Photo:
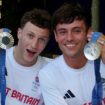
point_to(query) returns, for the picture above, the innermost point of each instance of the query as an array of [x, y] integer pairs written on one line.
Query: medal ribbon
[[95, 36], [2, 77], [3, 72], [97, 92]]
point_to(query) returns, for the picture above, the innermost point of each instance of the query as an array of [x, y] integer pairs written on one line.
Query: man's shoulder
[[43, 60], [47, 59], [50, 71], [52, 65], [9, 50]]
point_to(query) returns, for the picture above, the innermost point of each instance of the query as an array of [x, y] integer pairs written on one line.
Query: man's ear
[[55, 35], [89, 34], [19, 31], [90, 30]]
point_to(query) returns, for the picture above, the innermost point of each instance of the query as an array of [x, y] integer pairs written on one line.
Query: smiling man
[[71, 76]]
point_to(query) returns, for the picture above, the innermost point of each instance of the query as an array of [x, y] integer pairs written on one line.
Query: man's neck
[[76, 63]]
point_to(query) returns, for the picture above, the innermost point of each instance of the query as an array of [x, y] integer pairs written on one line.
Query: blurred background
[[11, 12]]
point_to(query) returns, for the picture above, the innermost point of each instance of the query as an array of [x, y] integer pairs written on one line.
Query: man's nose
[[69, 36], [34, 43]]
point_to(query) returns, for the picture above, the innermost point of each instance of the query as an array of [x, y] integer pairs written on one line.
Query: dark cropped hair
[[69, 12], [38, 17]]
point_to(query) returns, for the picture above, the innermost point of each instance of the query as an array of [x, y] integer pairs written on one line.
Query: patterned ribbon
[[2, 77], [97, 92]]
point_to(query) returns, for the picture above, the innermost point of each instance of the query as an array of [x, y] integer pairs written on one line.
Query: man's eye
[[30, 36], [78, 31], [42, 40], [62, 32]]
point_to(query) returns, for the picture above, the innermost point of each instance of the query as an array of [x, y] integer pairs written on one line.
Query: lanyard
[[97, 92], [6, 41], [2, 76]]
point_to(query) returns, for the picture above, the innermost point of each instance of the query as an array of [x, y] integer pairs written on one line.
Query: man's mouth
[[30, 52], [70, 45]]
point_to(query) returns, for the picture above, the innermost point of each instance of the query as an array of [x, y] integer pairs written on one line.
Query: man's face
[[32, 41], [71, 38]]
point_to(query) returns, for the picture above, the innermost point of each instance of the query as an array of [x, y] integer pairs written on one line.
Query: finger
[[101, 39], [89, 36]]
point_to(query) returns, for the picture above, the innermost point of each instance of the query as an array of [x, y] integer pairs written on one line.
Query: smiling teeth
[[70, 45]]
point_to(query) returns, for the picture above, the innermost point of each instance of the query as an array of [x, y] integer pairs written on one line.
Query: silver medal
[[6, 40], [92, 50]]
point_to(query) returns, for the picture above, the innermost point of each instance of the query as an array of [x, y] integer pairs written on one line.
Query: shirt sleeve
[[49, 89]]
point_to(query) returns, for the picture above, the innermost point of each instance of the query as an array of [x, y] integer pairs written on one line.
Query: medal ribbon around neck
[[6, 41]]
